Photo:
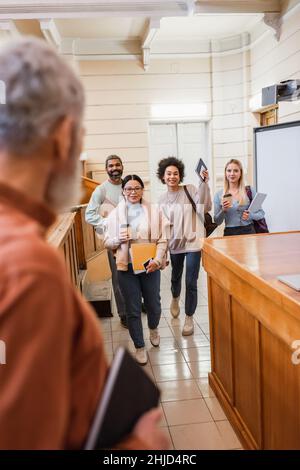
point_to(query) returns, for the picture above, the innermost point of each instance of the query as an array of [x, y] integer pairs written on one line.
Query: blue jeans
[[134, 287], [191, 278]]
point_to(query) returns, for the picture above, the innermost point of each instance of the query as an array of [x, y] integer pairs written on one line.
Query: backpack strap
[[249, 193], [190, 198]]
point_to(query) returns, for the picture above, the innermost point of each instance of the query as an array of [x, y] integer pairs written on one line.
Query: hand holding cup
[[124, 233], [227, 201]]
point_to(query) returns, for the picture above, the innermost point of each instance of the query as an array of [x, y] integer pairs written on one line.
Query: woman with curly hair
[[180, 204]]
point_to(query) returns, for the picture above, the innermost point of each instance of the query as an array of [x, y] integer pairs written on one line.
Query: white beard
[[64, 191]]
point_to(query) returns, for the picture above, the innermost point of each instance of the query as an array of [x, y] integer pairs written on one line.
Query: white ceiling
[[119, 29], [207, 26], [102, 28], [203, 26]]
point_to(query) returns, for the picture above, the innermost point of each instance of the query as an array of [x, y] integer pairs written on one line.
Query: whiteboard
[[277, 173]]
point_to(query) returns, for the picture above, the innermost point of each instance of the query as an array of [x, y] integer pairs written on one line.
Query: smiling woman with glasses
[[135, 189], [132, 221]]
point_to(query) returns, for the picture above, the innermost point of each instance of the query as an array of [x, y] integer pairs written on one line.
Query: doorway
[[187, 141]]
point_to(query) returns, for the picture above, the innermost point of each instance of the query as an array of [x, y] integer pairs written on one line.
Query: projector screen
[[277, 173]]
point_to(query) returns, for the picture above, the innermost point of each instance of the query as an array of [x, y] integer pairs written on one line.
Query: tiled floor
[[192, 414]]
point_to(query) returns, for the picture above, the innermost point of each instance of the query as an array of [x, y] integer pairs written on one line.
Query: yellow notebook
[[140, 253]]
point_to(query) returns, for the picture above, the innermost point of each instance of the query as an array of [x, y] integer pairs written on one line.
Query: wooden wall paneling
[[80, 241], [268, 312], [74, 258], [157, 67], [265, 322], [211, 323], [70, 259], [63, 237], [125, 140], [281, 394], [106, 96], [221, 324], [246, 369], [67, 256], [88, 233], [148, 82], [88, 186]]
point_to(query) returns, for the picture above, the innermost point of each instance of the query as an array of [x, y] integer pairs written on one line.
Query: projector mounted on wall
[[288, 90]]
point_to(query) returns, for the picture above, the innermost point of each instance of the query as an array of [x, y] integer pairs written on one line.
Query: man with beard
[[55, 367], [103, 200]]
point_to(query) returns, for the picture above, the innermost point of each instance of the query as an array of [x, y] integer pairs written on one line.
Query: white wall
[[119, 99], [120, 95], [230, 123], [273, 61]]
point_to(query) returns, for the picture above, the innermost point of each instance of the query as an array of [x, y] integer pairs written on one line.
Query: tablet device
[[291, 280], [256, 203], [200, 168]]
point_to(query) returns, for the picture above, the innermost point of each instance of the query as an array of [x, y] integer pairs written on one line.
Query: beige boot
[[188, 327], [141, 356], [154, 337], [174, 307]]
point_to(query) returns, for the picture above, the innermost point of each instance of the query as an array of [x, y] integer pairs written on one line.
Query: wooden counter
[[254, 320]]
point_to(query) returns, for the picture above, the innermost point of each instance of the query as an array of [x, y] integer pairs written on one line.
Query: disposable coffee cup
[[129, 232], [228, 197], [126, 227]]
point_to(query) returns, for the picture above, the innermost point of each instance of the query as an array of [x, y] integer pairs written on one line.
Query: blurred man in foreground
[[55, 363]]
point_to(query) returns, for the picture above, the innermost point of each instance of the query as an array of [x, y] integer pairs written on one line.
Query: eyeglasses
[[129, 190]]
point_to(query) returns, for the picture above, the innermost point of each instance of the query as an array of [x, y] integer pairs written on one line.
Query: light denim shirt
[[233, 216]]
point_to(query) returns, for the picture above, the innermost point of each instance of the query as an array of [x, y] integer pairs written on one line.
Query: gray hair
[[40, 90]]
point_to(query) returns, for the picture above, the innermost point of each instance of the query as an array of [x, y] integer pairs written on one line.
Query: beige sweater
[[152, 229], [186, 230]]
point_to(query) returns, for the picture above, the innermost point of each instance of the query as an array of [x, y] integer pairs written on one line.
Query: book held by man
[[127, 395]]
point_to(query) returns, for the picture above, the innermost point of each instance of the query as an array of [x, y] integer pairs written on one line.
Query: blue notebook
[[128, 393]]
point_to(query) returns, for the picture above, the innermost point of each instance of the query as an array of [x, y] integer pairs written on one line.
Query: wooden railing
[[62, 235], [74, 237]]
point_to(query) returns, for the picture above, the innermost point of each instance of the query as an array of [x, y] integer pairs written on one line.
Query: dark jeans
[[240, 230], [134, 287], [191, 276], [115, 284]]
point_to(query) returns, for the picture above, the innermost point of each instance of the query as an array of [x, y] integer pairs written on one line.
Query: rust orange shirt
[[55, 364]]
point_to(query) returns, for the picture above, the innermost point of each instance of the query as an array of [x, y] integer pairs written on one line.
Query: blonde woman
[[231, 203]]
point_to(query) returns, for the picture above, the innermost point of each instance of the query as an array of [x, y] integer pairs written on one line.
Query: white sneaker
[[188, 327], [174, 307], [141, 356], [154, 337]]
